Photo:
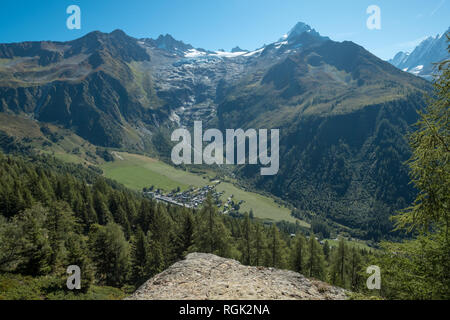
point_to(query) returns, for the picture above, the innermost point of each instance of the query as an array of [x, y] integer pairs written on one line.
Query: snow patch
[[416, 70], [229, 54], [194, 53], [249, 54], [278, 45]]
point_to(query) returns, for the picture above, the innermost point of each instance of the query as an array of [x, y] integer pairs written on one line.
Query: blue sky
[[223, 24]]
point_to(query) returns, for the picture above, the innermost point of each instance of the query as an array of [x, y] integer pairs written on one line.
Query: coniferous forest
[[56, 214]]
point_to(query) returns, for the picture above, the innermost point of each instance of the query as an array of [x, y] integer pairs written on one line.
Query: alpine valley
[[343, 113]]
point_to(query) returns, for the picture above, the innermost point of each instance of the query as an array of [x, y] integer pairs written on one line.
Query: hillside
[[87, 85], [343, 116], [54, 214], [208, 277]]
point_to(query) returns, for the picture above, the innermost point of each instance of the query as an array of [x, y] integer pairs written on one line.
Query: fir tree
[[300, 251]]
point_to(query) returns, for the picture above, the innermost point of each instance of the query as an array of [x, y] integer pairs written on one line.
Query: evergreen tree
[[144, 214], [110, 253], [355, 268], [300, 251], [339, 264], [247, 239], [418, 269], [316, 260], [161, 231], [430, 162], [260, 244], [100, 206], [326, 251], [157, 260], [141, 257], [77, 254], [212, 236], [34, 242], [186, 235], [277, 248], [60, 223]]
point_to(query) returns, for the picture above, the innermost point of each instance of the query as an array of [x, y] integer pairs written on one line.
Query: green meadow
[[137, 172]]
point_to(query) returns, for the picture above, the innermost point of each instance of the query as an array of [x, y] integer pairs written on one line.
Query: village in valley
[[193, 198]]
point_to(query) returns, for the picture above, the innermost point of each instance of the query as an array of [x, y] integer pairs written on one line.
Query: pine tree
[[156, 258], [110, 252], [419, 268], [212, 236], [247, 239], [100, 206], [141, 257], [300, 251], [277, 248], [326, 251], [144, 214], [260, 244], [430, 162], [60, 223], [340, 264], [355, 266], [34, 242], [186, 235], [77, 254], [316, 260], [161, 230]]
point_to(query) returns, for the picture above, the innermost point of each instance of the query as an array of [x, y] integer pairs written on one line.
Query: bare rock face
[[208, 277]]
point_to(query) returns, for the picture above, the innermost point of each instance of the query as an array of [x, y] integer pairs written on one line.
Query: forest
[[56, 214]]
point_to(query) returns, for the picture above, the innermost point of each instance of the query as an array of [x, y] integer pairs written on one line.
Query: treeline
[[54, 215]]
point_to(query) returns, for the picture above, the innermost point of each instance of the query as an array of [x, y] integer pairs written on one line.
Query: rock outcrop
[[208, 277]]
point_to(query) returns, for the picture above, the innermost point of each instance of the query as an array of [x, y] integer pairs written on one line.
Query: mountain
[[343, 113], [202, 276], [88, 85], [299, 29], [421, 60], [167, 43]]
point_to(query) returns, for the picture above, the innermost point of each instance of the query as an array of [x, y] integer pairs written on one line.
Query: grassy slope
[[24, 128], [19, 287], [137, 172]]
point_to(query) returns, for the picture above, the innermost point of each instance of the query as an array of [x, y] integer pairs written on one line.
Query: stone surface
[[208, 277]]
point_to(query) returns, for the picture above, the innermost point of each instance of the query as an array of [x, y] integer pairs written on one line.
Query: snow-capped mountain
[[301, 34], [189, 77], [299, 29], [421, 60]]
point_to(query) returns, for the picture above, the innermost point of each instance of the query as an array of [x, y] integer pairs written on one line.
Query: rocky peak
[[299, 29], [208, 277], [168, 43], [238, 49]]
